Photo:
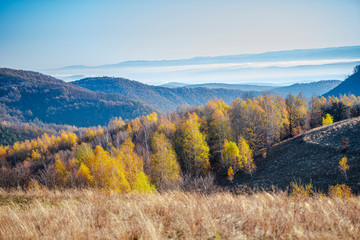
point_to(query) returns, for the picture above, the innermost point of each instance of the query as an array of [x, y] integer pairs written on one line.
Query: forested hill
[[351, 85], [26, 96], [162, 98]]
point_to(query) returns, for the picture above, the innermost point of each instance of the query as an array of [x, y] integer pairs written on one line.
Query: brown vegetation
[[89, 214]]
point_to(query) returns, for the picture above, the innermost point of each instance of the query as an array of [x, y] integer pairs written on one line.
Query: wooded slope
[[27, 96], [312, 157]]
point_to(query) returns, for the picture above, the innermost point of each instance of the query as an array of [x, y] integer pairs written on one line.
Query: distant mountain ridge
[[27, 96], [162, 98], [242, 87], [296, 54], [308, 89], [174, 85], [351, 85]]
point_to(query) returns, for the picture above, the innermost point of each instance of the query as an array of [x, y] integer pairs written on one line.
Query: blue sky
[[48, 34]]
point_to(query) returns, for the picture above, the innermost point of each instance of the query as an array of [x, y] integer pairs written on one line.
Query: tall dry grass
[[89, 214]]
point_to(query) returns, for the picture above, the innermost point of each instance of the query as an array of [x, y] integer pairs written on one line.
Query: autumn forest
[[155, 151]]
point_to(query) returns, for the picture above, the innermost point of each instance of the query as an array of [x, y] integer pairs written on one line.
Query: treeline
[[159, 150], [14, 131]]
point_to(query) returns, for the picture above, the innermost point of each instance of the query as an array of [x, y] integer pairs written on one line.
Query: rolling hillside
[[27, 96], [351, 85], [162, 98], [308, 89], [312, 157]]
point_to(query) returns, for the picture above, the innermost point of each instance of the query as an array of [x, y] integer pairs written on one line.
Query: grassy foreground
[[89, 214]]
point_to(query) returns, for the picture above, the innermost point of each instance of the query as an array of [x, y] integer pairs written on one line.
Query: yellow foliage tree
[[84, 153], [219, 128], [133, 166], [131, 161], [136, 125], [67, 140], [153, 117], [194, 147], [296, 107], [61, 173], [232, 156], [4, 152], [35, 156], [129, 129], [230, 174], [246, 156], [84, 175], [91, 133], [164, 165], [344, 167], [116, 124], [166, 127], [107, 172], [142, 184], [327, 120]]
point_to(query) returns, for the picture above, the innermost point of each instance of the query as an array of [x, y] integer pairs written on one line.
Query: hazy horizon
[[43, 34], [279, 68]]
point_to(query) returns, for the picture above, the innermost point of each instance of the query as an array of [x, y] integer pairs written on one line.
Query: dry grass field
[[89, 214]]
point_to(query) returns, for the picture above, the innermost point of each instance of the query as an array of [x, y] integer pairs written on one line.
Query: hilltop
[[29, 96], [312, 157], [351, 85]]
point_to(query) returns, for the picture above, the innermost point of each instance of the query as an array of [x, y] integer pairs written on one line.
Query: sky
[[41, 34]]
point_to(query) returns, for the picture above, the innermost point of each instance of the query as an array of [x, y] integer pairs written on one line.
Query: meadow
[[94, 214]]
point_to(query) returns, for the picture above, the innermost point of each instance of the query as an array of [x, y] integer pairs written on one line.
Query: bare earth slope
[[312, 157]]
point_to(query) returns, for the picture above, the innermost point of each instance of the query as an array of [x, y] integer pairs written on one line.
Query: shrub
[[299, 191], [341, 191]]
